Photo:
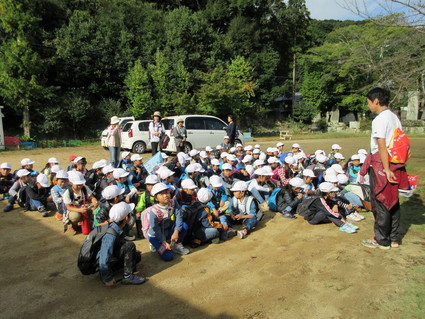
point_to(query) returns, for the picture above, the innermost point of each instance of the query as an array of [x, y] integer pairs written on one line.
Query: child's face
[[356, 162], [149, 187], [308, 179], [163, 198], [169, 179], [127, 158], [296, 189], [122, 179], [215, 188], [25, 178], [331, 194], [29, 166], [80, 166], [77, 188], [227, 173], [256, 155], [118, 199], [239, 194], [61, 182], [5, 171], [215, 167], [338, 160], [189, 191], [273, 165]]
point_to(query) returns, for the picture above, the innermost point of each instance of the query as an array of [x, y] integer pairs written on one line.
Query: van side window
[[144, 126], [214, 124], [195, 123]]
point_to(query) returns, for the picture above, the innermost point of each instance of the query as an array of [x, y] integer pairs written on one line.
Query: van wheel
[[139, 147], [187, 147]]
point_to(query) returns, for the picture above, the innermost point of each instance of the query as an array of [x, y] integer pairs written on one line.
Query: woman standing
[[113, 141], [231, 130], [156, 131], [180, 135]]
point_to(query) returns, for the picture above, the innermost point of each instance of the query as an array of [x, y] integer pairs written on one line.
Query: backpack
[[303, 208], [21, 197], [90, 247], [399, 148], [273, 199], [191, 216], [247, 206]]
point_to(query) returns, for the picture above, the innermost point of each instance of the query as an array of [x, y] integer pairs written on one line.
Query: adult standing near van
[[113, 140], [156, 131], [231, 130], [180, 135]]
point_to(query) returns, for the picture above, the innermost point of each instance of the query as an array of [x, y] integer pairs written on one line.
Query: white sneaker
[[361, 217], [152, 248], [353, 218], [179, 249]]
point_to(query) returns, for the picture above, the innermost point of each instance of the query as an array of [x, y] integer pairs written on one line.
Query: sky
[[333, 9]]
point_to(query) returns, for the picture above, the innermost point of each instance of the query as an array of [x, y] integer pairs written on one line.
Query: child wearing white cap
[[258, 188], [60, 183], [37, 193], [138, 172], [354, 168], [6, 180], [290, 197], [113, 246], [215, 168], [242, 210], [219, 201], [80, 165], [125, 161], [18, 190], [163, 222], [186, 194], [283, 174]]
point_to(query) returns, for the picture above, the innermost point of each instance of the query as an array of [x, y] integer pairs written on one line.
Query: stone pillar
[[335, 114], [413, 106]]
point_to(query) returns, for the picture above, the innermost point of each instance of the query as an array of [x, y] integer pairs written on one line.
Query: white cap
[[6, 165], [318, 152], [136, 157], [77, 159], [269, 150], [258, 163], [193, 153], [23, 172], [104, 162], [240, 186], [247, 158], [331, 178], [226, 166], [327, 187], [125, 154], [257, 146], [321, 158], [76, 178], [97, 165], [215, 162], [188, 183], [362, 158], [164, 155], [355, 157], [296, 182], [336, 147], [339, 156], [239, 145], [55, 169], [258, 172], [120, 172], [224, 154], [27, 161], [226, 137], [112, 191], [199, 168], [158, 188], [43, 180], [164, 172], [203, 154], [262, 156], [248, 148], [191, 168], [272, 160], [152, 179], [120, 211], [52, 160], [232, 150], [362, 151], [256, 151], [107, 169], [61, 175], [219, 147], [342, 179], [300, 155], [296, 145], [338, 168], [115, 120], [279, 144], [267, 171], [290, 160], [249, 169], [308, 172], [187, 157], [330, 171], [231, 158], [208, 149], [204, 195], [216, 181]]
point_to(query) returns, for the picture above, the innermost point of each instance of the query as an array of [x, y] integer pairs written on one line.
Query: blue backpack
[[273, 199]]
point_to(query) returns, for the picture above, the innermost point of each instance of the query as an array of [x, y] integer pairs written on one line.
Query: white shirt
[[78, 198], [383, 126]]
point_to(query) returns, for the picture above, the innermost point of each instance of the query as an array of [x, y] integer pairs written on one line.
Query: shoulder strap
[[248, 204]]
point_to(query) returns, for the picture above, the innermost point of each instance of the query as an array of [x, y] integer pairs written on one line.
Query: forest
[[67, 66]]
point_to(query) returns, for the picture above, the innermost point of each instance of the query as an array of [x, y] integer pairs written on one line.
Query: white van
[[135, 136], [202, 131]]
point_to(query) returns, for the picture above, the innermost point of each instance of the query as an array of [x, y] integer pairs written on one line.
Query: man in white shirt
[[387, 219]]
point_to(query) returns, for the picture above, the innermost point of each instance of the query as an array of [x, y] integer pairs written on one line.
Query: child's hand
[[83, 210], [216, 212], [138, 214], [111, 283], [225, 227], [300, 195], [175, 236], [238, 217], [127, 199]]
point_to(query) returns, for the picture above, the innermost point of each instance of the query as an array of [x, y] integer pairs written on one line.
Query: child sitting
[[290, 196], [354, 168], [162, 222], [6, 180], [219, 202], [60, 186], [80, 165], [186, 195], [259, 189], [16, 192], [37, 193], [243, 209], [125, 161], [112, 195]]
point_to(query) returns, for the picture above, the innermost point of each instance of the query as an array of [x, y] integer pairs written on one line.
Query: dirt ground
[[284, 269]]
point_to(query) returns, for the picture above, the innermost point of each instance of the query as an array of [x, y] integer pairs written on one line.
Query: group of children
[[191, 199]]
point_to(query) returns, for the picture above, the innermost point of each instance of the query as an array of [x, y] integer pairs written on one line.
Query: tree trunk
[[26, 123], [294, 83]]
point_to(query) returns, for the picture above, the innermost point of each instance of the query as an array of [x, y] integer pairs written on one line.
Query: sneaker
[[44, 213], [260, 215], [264, 207], [130, 238], [215, 240], [58, 216], [347, 229], [353, 218], [242, 233], [395, 244], [133, 280], [288, 215], [152, 248], [352, 226], [357, 215], [231, 232], [373, 244], [8, 208], [179, 249]]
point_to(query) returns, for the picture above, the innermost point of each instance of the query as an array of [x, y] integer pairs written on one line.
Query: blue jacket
[[108, 245]]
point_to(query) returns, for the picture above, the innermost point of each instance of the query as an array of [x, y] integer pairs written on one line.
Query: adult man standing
[[385, 177]]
